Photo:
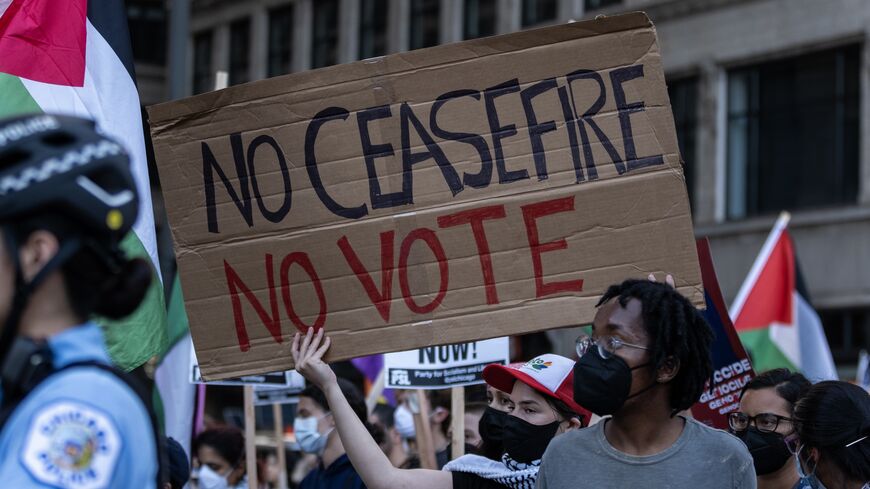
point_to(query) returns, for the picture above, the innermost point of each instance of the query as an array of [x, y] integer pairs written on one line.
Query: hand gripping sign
[[462, 192]]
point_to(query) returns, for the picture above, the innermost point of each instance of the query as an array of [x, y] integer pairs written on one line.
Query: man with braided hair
[[646, 361]]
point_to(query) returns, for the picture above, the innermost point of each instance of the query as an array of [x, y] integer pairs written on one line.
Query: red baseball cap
[[551, 375]]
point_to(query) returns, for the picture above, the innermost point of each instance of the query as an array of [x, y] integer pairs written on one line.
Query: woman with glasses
[[764, 420], [832, 439]]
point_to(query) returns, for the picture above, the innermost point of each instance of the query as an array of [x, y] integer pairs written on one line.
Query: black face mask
[[491, 429], [602, 386], [768, 450], [526, 442]]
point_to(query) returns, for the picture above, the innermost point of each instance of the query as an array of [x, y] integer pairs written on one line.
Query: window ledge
[[799, 219]]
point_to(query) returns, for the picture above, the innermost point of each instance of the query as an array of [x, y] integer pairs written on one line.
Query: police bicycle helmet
[[58, 168]]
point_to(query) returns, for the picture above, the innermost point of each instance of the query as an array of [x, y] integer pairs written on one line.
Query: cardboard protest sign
[[439, 367], [462, 192], [731, 366]]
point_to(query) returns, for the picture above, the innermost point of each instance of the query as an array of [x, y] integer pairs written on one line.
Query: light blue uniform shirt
[[82, 428]]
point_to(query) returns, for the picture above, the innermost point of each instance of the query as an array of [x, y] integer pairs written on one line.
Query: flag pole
[[278, 416], [457, 411], [376, 391], [250, 437], [772, 238]]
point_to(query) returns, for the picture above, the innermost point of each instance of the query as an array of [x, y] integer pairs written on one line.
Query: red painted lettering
[[429, 237], [381, 299], [304, 262], [531, 213], [273, 323], [475, 217]]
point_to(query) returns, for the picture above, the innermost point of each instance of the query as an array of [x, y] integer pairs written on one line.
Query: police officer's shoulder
[[95, 386], [72, 442], [80, 421]]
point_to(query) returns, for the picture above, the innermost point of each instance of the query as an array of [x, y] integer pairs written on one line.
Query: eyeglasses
[[607, 345], [764, 422]]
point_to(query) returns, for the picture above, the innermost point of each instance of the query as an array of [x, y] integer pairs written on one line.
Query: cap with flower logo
[[551, 375]]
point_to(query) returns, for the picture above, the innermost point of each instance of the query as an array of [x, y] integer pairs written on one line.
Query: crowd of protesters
[[644, 364]]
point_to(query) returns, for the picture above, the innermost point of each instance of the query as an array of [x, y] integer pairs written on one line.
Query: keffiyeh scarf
[[508, 472]]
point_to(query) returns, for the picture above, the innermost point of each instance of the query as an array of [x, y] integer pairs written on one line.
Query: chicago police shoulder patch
[[72, 445]]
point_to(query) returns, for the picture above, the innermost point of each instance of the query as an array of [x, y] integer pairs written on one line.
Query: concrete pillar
[[303, 18], [220, 60], [348, 30], [452, 18], [706, 157], [509, 16], [864, 124], [570, 10], [180, 47], [398, 39], [188, 78], [259, 43]]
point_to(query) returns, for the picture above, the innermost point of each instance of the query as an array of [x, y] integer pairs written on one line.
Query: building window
[[203, 74], [847, 331], [684, 103], [240, 50], [598, 4], [280, 40], [479, 18], [324, 46], [538, 11], [373, 28], [425, 21], [147, 21], [793, 133]]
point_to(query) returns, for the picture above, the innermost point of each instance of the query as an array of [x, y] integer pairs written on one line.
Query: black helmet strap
[[23, 290]]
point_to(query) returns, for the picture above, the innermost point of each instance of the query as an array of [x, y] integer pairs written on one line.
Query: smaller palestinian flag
[[773, 316]]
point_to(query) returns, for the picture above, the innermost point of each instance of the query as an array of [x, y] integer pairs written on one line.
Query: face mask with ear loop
[[810, 472], [603, 385], [209, 479], [309, 439]]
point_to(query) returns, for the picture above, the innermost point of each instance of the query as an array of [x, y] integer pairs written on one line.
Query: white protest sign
[[439, 367], [265, 394]]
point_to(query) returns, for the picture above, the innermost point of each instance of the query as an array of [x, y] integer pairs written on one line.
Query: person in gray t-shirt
[[647, 360], [701, 457]]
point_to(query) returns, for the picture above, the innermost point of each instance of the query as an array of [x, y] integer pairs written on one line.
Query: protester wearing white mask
[[314, 428], [220, 453]]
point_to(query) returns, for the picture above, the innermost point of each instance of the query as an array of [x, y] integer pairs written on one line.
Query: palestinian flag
[[175, 396], [74, 57], [773, 316]]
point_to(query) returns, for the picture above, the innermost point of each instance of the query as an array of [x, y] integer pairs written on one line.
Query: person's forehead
[[208, 455], [612, 316], [522, 392], [307, 404], [757, 401]]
